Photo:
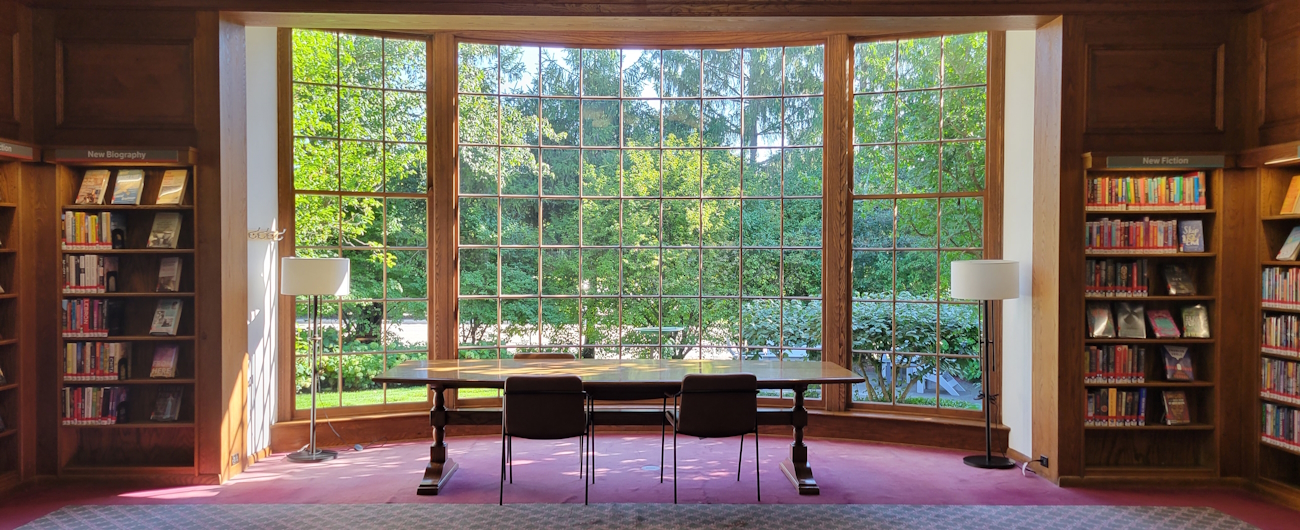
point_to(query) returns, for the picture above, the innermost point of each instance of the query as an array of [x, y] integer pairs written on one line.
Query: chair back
[[544, 407], [718, 405], [545, 355]]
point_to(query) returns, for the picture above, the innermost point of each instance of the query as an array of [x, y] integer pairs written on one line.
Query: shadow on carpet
[[638, 516]]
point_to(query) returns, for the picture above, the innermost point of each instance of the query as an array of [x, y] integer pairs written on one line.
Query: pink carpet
[[547, 472]]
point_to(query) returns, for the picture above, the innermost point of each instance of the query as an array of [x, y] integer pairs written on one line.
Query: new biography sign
[[119, 155]]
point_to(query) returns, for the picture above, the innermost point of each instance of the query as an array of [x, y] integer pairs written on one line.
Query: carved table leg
[[441, 467], [796, 467]]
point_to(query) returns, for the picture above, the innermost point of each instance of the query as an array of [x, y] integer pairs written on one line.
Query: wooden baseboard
[[9, 481], [288, 436], [1161, 480], [1277, 492]]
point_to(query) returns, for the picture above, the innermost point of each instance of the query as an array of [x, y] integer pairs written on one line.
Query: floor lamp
[[314, 277], [985, 280]]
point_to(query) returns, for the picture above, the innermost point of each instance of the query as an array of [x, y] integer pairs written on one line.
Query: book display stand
[[15, 373], [109, 304], [1151, 251]]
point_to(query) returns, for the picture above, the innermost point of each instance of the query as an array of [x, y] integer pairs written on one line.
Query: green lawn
[[374, 396]]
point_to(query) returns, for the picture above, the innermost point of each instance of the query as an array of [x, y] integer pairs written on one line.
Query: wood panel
[[837, 199], [15, 70], [115, 77], [768, 8], [1277, 51], [1155, 89], [121, 84], [1239, 288], [1158, 82]]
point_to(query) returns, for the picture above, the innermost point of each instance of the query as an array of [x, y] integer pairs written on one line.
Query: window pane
[[315, 56], [641, 73], [520, 69]]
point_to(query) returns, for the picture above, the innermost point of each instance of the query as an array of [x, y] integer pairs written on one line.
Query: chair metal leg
[[501, 494], [586, 486], [663, 430], [758, 476], [740, 459], [674, 464], [510, 458]]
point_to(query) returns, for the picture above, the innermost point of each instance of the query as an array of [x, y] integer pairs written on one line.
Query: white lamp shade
[[985, 279], [315, 276]]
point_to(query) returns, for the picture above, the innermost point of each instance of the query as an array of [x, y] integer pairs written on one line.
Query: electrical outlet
[[1042, 460], [234, 459]]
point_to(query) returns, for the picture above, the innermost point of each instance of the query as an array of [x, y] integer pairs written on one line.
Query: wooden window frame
[[442, 142]]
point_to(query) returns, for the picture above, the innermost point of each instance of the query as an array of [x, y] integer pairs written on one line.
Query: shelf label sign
[[15, 151], [117, 155], [1153, 161]]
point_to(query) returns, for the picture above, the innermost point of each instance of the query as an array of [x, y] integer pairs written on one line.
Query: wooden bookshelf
[[135, 445], [1156, 450], [15, 158], [1276, 462]]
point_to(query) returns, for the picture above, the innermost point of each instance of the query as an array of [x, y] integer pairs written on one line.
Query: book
[[1196, 322], [172, 190], [115, 316], [1130, 320], [93, 184], [1178, 280], [164, 361], [1100, 322], [1292, 193], [167, 407], [1178, 366], [117, 231], [169, 275], [1176, 412], [1191, 236], [1291, 247], [166, 317], [128, 186], [165, 231], [1162, 323]]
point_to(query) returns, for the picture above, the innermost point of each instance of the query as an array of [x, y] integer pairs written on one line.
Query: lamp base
[[989, 462], [320, 455]]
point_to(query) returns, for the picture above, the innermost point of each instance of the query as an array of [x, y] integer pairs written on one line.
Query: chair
[[545, 355], [717, 406], [543, 408]]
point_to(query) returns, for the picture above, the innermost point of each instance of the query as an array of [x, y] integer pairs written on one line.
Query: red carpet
[[547, 472]]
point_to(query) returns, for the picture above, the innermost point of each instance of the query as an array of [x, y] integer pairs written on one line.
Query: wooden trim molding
[[837, 214], [285, 198]]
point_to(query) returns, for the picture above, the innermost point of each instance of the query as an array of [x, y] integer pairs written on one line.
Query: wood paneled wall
[[15, 71], [1273, 44]]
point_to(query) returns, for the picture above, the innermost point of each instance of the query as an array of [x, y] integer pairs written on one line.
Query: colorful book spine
[[93, 361], [85, 318], [84, 274], [1281, 426], [87, 231], [1116, 278], [92, 405], [1138, 193], [1145, 236], [1115, 364], [1115, 407], [1280, 335], [1281, 287]]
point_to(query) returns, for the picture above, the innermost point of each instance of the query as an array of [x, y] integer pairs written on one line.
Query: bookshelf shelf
[[1190, 427], [1155, 384], [1165, 255], [132, 338], [1149, 298], [1140, 213], [17, 172], [1154, 449], [129, 295], [128, 382], [1149, 341], [138, 446], [127, 207], [128, 251], [1277, 461], [136, 425]]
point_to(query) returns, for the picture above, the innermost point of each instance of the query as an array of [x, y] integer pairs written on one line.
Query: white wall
[[1017, 241], [263, 211]]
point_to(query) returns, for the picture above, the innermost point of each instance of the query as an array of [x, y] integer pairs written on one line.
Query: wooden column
[[443, 233], [837, 213]]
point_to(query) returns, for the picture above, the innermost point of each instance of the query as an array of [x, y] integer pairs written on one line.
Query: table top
[[492, 373]]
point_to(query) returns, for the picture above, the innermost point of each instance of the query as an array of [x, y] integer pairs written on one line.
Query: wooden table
[[641, 374]]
